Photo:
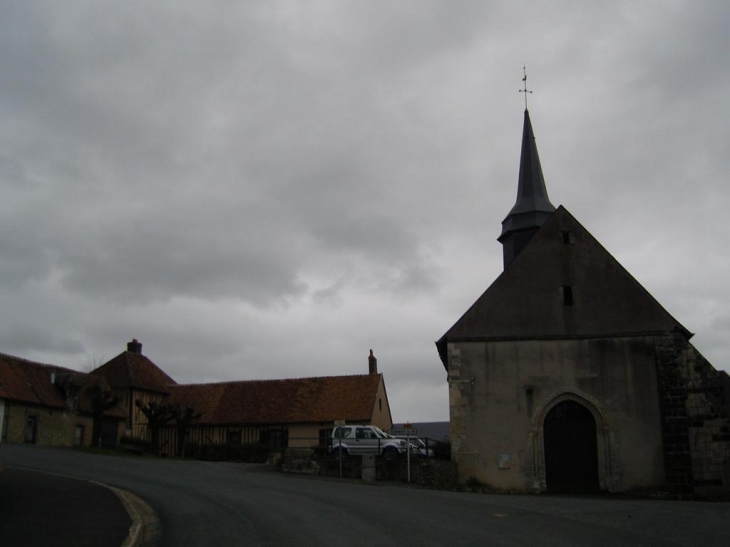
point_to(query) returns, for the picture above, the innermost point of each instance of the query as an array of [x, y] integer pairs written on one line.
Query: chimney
[[372, 363], [134, 346]]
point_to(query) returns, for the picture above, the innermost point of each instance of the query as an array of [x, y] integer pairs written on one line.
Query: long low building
[[278, 413]]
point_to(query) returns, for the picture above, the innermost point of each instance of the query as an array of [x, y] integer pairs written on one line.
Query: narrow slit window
[[568, 295], [567, 237]]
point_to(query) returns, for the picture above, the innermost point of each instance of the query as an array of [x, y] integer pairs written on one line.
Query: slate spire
[[532, 207]]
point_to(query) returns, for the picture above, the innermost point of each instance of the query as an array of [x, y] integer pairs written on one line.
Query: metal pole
[[408, 449]]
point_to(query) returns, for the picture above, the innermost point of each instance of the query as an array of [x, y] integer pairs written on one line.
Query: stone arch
[[536, 444]]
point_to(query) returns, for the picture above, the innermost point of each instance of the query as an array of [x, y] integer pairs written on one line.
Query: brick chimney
[[372, 363], [134, 346]]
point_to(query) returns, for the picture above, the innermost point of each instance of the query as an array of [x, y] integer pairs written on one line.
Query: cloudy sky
[[270, 189]]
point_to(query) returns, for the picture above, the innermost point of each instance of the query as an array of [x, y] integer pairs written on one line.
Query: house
[[279, 413], [132, 377], [566, 374], [50, 405]]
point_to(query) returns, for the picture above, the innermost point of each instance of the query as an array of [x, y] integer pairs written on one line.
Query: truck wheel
[[390, 453]]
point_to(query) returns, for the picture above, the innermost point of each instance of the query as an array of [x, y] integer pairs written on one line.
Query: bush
[[329, 465], [319, 452], [248, 453], [134, 443], [191, 450], [473, 484]]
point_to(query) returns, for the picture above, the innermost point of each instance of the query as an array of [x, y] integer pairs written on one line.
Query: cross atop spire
[[524, 79]]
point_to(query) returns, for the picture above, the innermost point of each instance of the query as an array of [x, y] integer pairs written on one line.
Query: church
[[567, 375]]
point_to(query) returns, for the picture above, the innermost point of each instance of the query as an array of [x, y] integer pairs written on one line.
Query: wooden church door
[[571, 450]]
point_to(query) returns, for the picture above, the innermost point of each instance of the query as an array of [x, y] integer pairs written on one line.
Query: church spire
[[532, 207]]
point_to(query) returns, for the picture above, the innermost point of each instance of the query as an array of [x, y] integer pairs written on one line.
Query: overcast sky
[[262, 190]]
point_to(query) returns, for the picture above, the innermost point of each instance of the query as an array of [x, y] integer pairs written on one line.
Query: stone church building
[[566, 374]]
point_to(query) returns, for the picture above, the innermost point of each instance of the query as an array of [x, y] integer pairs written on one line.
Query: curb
[[146, 530]]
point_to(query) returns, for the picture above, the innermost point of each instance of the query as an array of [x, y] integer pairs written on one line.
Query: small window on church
[[567, 237], [568, 295]]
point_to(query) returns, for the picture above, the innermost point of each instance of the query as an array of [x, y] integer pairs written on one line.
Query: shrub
[[473, 484], [248, 453], [134, 443]]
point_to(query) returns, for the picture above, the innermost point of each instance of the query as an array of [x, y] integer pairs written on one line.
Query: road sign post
[[339, 423], [409, 431]]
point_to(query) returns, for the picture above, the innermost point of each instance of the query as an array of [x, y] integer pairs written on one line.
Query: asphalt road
[[44, 510], [203, 503]]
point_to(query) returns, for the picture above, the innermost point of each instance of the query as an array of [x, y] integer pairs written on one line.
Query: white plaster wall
[[501, 391]]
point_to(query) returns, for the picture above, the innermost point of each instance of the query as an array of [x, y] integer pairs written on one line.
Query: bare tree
[[92, 362], [101, 400], [158, 414], [184, 418]]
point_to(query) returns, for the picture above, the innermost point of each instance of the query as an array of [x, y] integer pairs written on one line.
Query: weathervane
[[525, 90]]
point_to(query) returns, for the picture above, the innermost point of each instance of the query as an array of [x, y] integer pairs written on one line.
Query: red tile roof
[[129, 369], [301, 400], [39, 384], [29, 382]]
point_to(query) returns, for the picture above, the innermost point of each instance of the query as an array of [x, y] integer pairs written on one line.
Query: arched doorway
[[571, 450]]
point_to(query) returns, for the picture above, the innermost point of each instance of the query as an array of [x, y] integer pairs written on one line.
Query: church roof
[[564, 284], [132, 369], [299, 400]]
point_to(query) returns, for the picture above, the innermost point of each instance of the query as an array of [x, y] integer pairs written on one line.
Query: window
[[365, 433], [324, 435], [568, 295], [567, 237], [342, 432], [380, 404], [277, 438], [79, 435]]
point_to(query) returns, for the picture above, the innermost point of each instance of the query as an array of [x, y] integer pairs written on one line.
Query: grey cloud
[[206, 179], [23, 339]]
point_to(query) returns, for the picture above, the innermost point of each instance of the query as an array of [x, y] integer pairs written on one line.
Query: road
[[75, 512], [202, 503]]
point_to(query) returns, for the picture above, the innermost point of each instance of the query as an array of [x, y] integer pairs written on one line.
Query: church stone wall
[[695, 412], [501, 391]]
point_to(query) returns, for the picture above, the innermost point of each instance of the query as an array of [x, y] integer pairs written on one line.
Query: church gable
[[563, 284]]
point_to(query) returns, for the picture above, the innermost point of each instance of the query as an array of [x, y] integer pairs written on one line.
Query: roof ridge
[[225, 382], [37, 363]]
